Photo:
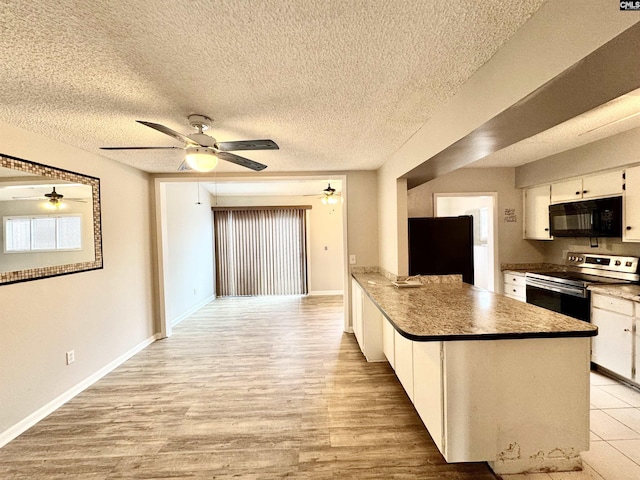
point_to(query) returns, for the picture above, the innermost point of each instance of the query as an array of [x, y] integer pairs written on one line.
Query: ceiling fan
[[54, 198], [329, 195], [202, 151]]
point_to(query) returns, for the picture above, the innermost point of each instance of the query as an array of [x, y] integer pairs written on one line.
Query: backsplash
[[555, 251]]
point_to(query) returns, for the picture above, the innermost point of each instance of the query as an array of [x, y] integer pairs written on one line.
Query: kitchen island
[[493, 379]]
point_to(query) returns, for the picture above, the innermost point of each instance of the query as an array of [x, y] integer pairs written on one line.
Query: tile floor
[[615, 436]]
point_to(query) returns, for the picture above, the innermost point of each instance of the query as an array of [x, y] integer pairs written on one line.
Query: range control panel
[[613, 263]]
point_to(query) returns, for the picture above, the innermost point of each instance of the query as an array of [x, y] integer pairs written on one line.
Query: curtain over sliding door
[[260, 252]]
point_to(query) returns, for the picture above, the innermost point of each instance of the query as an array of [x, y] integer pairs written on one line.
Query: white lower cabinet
[[428, 397], [404, 362], [356, 311], [495, 401], [637, 360], [367, 324], [613, 347], [466, 396], [515, 286], [388, 342]]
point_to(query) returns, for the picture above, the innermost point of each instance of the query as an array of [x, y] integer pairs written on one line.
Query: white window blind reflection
[[43, 233]]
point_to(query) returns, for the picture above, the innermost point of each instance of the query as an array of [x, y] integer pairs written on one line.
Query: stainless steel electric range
[[567, 291]]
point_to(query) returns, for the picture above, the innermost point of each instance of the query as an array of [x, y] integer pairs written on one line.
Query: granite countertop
[[523, 268], [458, 311], [628, 292]]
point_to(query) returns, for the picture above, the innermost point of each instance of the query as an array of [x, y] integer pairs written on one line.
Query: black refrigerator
[[441, 246]]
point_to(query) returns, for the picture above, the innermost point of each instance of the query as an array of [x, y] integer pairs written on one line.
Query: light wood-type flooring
[[246, 388]]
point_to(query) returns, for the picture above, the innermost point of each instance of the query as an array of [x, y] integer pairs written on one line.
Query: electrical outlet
[[195, 291], [71, 357], [352, 259]]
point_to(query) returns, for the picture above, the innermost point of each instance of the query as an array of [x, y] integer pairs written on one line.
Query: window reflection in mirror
[[50, 221]]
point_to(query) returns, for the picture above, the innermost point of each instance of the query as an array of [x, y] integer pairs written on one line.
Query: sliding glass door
[[260, 251]]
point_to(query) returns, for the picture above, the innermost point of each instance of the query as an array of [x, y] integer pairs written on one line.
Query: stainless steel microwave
[[587, 218]]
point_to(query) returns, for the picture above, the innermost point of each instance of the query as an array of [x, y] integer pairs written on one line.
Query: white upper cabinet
[[607, 184], [631, 215], [567, 191], [536, 212]]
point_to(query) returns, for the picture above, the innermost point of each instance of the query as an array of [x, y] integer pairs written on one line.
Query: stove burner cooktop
[[575, 278], [586, 269]]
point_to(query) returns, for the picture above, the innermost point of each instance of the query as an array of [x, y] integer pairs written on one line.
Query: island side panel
[[471, 382], [542, 404]]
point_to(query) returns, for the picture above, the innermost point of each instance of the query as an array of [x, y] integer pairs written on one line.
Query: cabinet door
[[631, 214], [566, 191], [371, 330], [602, 185], [536, 212], [356, 312], [427, 389], [388, 334], [612, 348], [404, 362], [636, 370]]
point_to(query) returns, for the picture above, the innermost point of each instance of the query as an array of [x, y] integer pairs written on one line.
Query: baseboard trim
[[326, 292], [28, 422], [192, 310]]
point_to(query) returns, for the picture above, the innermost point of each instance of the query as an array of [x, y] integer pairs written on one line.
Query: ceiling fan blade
[[184, 167], [238, 160], [247, 145], [141, 148], [167, 131]]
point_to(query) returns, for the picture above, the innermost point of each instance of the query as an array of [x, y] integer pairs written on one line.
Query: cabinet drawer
[[518, 291], [514, 279], [613, 304]]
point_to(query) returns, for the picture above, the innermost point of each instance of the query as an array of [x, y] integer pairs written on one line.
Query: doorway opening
[[180, 208], [482, 207]]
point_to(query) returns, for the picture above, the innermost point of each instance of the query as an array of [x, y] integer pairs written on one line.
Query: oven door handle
[[574, 292]]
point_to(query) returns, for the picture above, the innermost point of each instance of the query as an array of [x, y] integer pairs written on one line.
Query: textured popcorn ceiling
[[338, 84]]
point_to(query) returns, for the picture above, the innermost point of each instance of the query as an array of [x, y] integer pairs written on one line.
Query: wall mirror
[[50, 221]]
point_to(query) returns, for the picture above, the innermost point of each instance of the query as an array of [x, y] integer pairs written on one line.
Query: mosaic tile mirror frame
[[73, 239]]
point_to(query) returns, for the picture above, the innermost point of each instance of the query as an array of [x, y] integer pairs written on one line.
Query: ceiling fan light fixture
[[55, 200], [201, 159], [54, 204]]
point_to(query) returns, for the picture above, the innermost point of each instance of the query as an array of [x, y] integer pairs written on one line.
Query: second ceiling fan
[[202, 151]]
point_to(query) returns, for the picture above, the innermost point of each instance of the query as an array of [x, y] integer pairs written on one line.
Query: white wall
[[101, 314], [189, 271], [362, 217], [326, 267], [554, 39]]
